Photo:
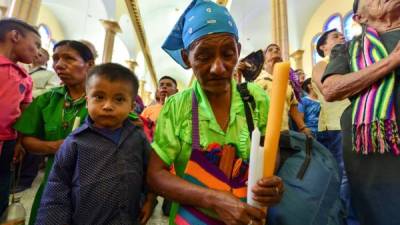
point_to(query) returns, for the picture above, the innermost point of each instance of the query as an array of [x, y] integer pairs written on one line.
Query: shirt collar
[[4, 61], [62, 90], [206, 112], [88, 125]]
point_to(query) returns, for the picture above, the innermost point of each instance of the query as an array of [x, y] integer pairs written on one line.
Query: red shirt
[[15, 89]]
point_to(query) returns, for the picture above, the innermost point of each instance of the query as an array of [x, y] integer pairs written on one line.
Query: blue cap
[[201, 17]]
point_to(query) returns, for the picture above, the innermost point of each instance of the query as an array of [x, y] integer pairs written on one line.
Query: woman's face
[[213, 59], [70, 66]]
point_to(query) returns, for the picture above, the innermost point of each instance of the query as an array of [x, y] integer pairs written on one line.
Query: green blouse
[[44, 117], [173, 135]]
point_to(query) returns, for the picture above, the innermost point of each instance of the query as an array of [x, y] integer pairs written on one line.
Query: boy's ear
[[15, 36]]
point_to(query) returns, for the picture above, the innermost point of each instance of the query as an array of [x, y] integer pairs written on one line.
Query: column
[[280, 26], [3, 11], [27, 11], [111, 28], [141, 91], [146, 97], [132, 64], [297, 56]]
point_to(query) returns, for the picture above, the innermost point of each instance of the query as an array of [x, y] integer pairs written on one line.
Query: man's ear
[[322, 47], [359, 19], [185, 57]]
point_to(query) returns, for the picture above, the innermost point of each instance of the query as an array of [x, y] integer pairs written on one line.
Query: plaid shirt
[[94, 180]]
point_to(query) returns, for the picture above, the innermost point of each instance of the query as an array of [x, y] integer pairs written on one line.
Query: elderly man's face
[[213, 59], [376, 9]]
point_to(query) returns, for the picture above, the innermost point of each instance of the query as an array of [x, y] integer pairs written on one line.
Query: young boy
[[19, 42], [310, 107], [98, 173]]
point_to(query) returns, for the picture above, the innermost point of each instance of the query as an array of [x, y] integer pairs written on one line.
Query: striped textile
[[373, 117], [202, 172]]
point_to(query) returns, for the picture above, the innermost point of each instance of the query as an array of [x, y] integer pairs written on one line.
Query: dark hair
[[299, 71], [169, 78], [269, 46], [355, 6], [115, 72], [81, 48], [9, 24], [305, 84], [322, 40]]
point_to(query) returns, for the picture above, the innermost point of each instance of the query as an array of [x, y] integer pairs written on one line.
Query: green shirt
[[173, 135], [44, 117]]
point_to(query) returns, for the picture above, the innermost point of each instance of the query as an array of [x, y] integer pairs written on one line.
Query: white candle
[[77, 123], [256, 166]]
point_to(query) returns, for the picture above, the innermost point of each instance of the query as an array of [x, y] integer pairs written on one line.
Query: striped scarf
[[373, 117]]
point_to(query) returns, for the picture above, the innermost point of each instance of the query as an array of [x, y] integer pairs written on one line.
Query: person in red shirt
[[19, 42]]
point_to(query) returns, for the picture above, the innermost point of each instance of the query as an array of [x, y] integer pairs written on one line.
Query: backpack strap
[[307, 160], [248, 101]]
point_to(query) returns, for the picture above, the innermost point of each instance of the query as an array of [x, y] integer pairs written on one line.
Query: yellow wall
[[327, 8], [48, 18]]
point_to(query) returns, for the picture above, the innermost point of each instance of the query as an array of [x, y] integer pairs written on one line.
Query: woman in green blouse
[[51, 116], [197, 123]]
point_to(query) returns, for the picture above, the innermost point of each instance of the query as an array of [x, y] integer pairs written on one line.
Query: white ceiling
[[80, 19]]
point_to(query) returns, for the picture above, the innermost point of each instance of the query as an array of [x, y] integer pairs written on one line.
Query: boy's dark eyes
[[120, 99], [98, 97]]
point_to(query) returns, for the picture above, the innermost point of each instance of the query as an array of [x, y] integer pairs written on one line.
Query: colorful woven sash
[[373, 117], [202, 172]]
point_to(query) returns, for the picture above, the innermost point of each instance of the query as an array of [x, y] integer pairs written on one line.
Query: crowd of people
[[106, 157]]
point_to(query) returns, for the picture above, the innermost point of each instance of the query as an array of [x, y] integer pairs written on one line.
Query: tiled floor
[[28, 195]]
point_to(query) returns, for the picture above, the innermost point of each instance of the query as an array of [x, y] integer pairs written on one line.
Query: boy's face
[[27, 46], [108, 103]]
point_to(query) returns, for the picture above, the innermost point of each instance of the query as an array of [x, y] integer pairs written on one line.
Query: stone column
[[3, 11], [111, 28], [146, 97], [280, 26], [141, 91], [132, 64], [25, 10], [297, 56]]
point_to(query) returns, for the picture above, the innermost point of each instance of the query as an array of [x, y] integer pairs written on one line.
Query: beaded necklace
[[67, 105]]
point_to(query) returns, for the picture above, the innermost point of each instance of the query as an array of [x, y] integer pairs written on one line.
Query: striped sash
[[373, 117]]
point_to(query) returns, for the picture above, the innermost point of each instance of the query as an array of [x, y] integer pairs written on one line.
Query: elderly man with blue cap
[[203, 132]]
